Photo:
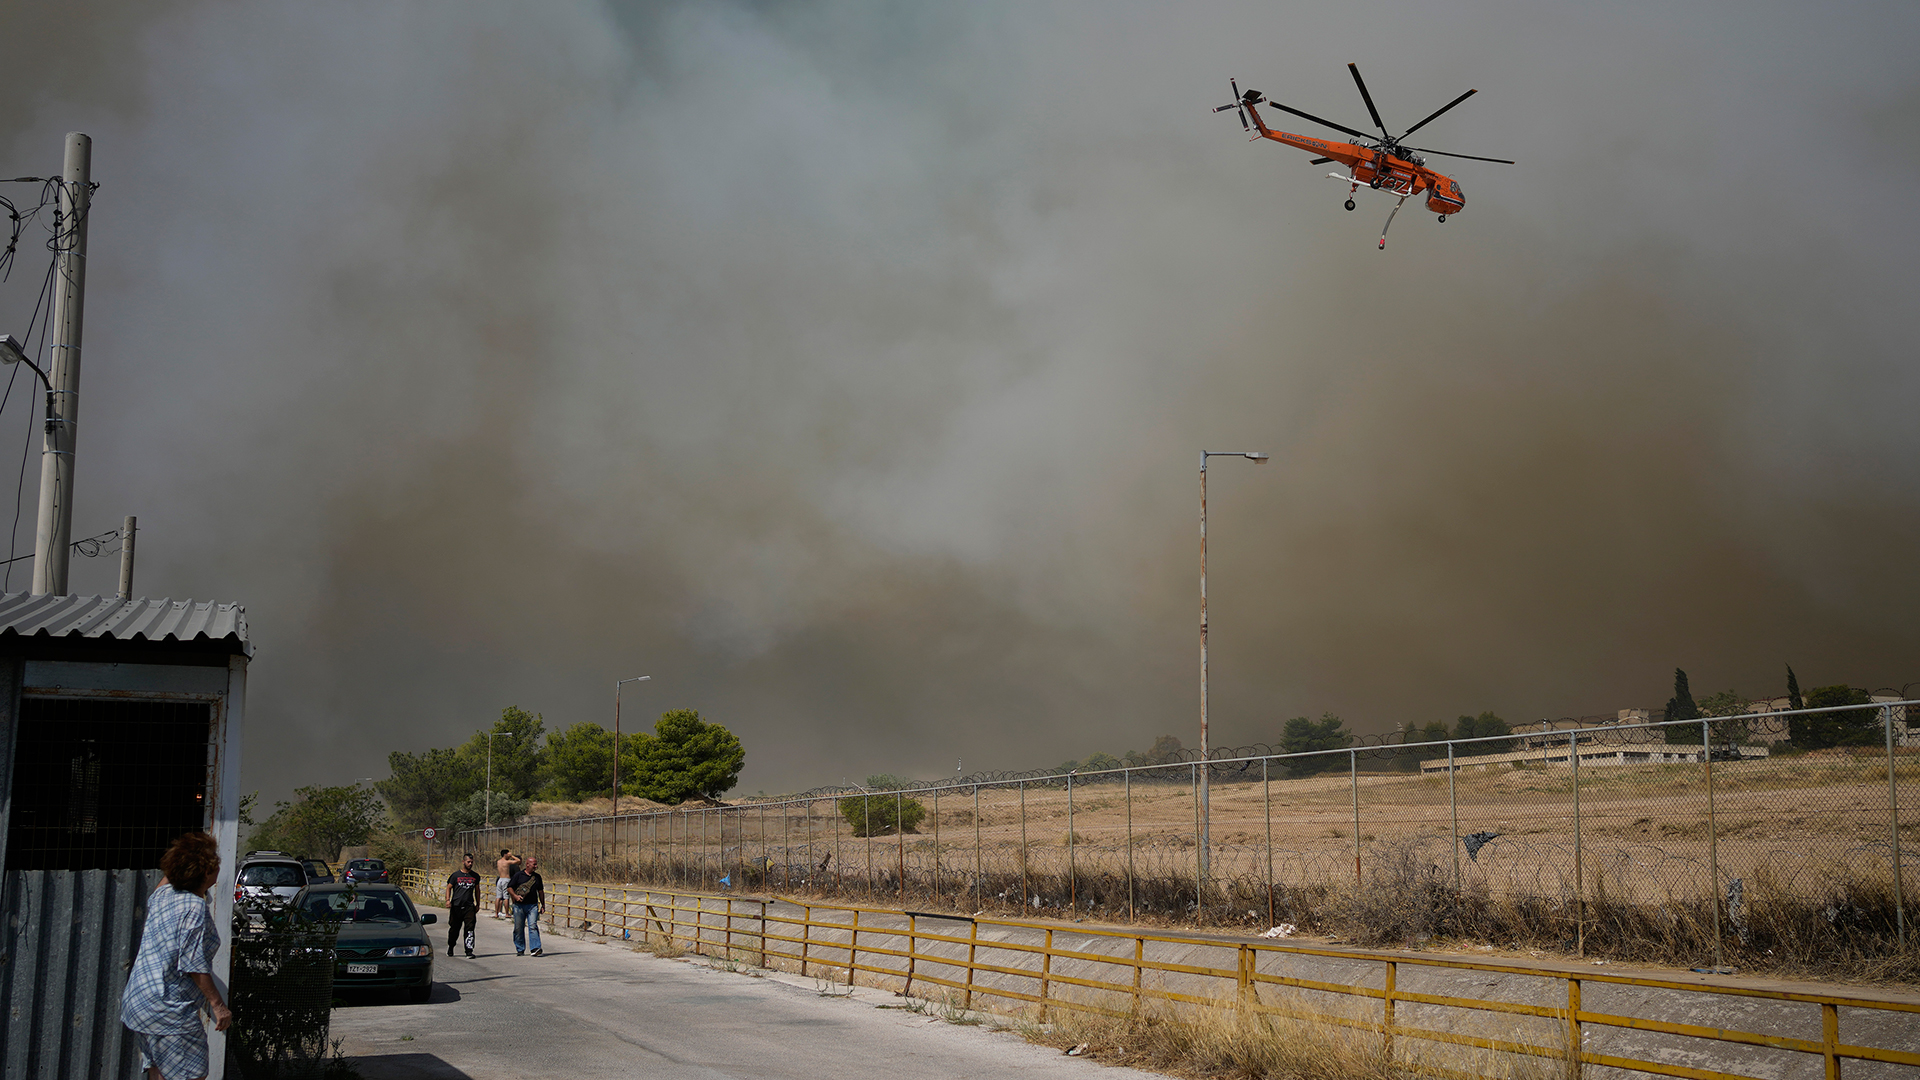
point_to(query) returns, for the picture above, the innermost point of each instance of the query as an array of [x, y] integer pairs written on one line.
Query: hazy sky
[[845, 366]]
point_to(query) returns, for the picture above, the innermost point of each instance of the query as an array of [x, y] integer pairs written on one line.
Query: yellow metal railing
[[730, 926], [418, 885]]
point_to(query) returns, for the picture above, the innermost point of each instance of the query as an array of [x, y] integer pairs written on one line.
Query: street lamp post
[[489, 811], [616, 758], [1206, 770]]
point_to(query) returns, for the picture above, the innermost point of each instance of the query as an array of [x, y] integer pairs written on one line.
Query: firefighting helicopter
[[1384, 164]]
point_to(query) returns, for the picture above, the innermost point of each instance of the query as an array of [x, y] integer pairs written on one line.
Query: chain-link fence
[[1676, 840]]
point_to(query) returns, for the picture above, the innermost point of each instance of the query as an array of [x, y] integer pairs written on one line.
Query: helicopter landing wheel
[[1349, 204], [1375, 183], [1443, 219]]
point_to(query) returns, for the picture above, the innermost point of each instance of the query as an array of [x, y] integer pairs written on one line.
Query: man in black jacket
[[463, 904], [529, 895]]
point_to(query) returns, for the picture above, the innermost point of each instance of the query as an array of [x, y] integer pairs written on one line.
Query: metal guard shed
[[119, 730]]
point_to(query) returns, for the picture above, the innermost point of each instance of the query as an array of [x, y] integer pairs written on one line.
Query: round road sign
[[428, 833]]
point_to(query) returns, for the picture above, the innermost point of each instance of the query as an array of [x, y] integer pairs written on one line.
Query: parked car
[[268, 878], [318, 872], [383, 942], [365, 870]]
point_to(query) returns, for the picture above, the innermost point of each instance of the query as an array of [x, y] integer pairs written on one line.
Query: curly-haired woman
[[172, 973]]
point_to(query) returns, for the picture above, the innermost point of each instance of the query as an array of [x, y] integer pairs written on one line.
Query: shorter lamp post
[[616, 758], [490, 737]]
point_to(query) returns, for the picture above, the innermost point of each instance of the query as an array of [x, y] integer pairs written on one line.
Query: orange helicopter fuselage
[[1396, 175]]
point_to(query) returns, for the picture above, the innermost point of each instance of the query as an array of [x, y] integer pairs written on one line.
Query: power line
[[88, 547], [20, 482]]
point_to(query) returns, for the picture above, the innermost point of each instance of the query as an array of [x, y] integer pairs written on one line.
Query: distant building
[[1619, 739]]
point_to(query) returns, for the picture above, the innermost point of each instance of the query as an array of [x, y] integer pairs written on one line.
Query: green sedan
[[383, 942]]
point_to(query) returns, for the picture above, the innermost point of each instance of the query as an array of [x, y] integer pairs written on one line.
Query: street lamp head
[[1258, 459], [10, 350]]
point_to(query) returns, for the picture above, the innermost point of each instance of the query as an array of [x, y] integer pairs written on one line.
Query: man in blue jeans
[[529, 895]]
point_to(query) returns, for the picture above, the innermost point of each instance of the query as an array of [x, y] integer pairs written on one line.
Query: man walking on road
[[463, 903], [529, 895], [504, 868]]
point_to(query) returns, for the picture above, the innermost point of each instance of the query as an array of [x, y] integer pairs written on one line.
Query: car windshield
[[391, 908], [272, 876], [367, 864]]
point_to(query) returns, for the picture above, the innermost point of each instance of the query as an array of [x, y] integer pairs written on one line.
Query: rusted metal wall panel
[[69, 940]]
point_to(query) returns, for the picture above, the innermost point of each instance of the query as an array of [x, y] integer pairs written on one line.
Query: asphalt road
[[593, 1010]]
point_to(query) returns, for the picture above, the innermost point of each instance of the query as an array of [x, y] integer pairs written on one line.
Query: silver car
[[268, 879]]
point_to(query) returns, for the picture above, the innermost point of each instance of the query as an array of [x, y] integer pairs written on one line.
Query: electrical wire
[[60, 237], [18, 221], [87, 547], [20, 483]]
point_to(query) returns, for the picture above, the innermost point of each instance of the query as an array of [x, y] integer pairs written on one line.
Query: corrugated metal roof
[[109, 617]]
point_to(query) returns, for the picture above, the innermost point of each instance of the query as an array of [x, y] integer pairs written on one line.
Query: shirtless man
[[504, 867]]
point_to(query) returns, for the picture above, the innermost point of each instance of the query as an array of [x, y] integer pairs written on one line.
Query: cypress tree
[[1794, 700], [1681, 707]]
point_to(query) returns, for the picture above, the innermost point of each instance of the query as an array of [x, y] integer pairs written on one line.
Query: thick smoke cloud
[[846, 366]]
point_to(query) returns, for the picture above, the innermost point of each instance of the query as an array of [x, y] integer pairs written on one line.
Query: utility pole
[[1204, 807], [487, 819], [55, 529], [126, 556]]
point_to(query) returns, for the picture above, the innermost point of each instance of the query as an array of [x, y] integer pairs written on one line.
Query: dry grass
[[1843, 929], [1224, 1041], [1804, 835]]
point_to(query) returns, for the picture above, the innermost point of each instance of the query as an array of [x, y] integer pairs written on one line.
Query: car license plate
[[363, 969]]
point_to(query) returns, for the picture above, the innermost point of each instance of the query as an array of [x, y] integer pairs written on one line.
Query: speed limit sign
[[428, 833]]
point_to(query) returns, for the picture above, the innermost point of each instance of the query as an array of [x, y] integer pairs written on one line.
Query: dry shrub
[[1224, 1041], [1838, 923], [1847, 927]]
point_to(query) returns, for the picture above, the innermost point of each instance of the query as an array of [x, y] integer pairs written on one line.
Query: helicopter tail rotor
[[1241, 101]]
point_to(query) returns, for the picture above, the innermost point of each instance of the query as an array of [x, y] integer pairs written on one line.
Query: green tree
[[1726, 703], [1302, 735], [1484, 726], [423, 785], [320, 821], [1681, 707], [517, 757], [1415, 741], [471, 812], [877, 815], [579, 763], [1100, 762], [1854, 727], [1793, 690], [1166, 749], [685, 757]]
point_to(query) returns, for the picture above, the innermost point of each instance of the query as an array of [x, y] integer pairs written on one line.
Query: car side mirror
[[426, 920]]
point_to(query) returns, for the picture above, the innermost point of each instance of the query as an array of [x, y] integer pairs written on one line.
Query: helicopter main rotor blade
[[1368, 98], [1317, 120], [1438, 111], [1469, 157]]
